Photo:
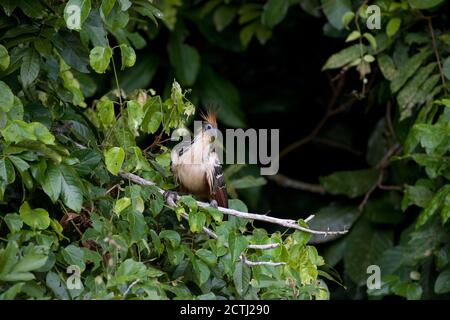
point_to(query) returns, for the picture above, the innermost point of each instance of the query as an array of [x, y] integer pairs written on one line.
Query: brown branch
[[436, 52], [288, 223], [338, 145], [329, 113], [286, 182], [381, 166]]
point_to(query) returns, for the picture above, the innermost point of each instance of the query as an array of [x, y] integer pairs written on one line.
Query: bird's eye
[[207, 126]]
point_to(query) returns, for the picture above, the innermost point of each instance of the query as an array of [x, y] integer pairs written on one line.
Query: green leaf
[[424, 4], [353, 36], [20, 164], [185, 59], [409, 290], [435, 204], [99, 58], [107, 6], [335, 10], [238, 205], [350, 183], [73, 255], [18, 131], [105, 109], [172, 236], [128, 56], [344, 57], [30, 262], [334, 217], [58, 287], [8, 258], [223, 16], [4, 58], [6, 97], [197, 220], [445, 213], [237, 244], [135, 115], [189, 201], [393, 26], [121, 205], [215, 213], [387, 66], [274, 12], [408, 69], [14, 222], [7, 174], [371, 39], [129, 270], [12, 291], [241, 277], [29, 70], [365, 245], [154, 122], [71, 188], [35, 218], [114, 158], [51, 183], [207, 256], [76, 12], [32, 9], [446, 68], [201, 270], [442, 284]]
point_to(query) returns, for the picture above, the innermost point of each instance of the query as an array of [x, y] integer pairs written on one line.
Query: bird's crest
[[210, 116]]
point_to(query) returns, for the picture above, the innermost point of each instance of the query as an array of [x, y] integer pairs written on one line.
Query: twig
[[288, 223], [129, 288], [337, 145], [381, 166], [329, 113], [309, 218], [260, 263], [436, 52], [296, 184], [263, 246]]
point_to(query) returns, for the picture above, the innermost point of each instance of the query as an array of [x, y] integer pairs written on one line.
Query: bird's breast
[[193, 178]]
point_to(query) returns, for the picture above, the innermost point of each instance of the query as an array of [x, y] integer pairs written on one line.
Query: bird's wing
[[220, 189]]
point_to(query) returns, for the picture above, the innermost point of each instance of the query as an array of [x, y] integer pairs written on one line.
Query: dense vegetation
[[364, 118]]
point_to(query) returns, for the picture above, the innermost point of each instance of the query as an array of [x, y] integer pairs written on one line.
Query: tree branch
[[260, 263], [288, 223], [287, 182]]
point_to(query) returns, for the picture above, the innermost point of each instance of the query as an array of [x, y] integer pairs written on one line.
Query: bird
[[196, 166]]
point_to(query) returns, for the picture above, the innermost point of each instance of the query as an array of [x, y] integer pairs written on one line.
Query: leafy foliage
[[67, 133]]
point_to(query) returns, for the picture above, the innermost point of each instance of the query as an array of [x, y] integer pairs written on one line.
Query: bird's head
[[209, 125]]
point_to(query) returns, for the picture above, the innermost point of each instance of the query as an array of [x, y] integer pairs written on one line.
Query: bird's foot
[[213, 203], [170, 197]]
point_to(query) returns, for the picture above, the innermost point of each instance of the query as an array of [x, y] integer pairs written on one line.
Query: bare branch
[[288, 223], [287, 182], [263, 246], [260, 263]]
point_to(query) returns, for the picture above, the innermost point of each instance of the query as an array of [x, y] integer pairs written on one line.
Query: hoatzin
[[196, 165]]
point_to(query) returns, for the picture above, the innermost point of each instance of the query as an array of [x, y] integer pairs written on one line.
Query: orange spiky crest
[[210, 116]]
